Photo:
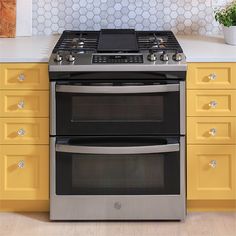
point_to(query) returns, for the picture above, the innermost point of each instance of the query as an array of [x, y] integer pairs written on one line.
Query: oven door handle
[[118, 89], [118, 150]]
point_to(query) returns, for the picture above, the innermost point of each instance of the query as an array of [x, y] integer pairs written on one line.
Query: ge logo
[[117, 205]]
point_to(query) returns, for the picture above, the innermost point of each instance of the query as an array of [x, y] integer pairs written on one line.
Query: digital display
[[116, 59]]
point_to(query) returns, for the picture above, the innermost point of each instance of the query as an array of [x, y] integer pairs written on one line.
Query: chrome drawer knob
[[21, 132], [212, 76], [21, 104], [213, 131], [213, 104], [21, 164], [213, 164], [21, 77]]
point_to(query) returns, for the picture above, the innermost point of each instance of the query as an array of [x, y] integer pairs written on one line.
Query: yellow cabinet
[[24, 131], [24, 172], [211, 135], [24, 76], [211, 130], [24, 103], [211, 172], [24, 136], [211, 76], [211, 102]]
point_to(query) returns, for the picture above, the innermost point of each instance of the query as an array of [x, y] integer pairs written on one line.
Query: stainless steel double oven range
[[117, 146]]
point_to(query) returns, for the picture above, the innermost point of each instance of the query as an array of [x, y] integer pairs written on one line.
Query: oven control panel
[[117, 59]]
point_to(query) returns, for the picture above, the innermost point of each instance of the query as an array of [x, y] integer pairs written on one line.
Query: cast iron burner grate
[[158, 41], [91, 41], [78, 41]]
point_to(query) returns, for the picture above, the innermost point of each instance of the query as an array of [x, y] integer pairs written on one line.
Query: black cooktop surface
[[117, 40]]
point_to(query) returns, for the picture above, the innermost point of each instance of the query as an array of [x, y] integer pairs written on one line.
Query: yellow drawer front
[[24, 76], [24, 103], [211, 172], [24, 172], [24, 131], [211, 130], [211, 103], [211, 76]]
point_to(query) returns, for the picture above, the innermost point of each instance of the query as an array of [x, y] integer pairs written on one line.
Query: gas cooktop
[[109, 49]]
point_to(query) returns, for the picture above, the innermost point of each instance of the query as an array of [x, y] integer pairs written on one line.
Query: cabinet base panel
[[24, 206], [211, 205]]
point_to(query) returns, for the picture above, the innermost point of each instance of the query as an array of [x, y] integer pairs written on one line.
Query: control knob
[[164, 57], [71, 58], [177, 56], [58, 57], [151, 56]]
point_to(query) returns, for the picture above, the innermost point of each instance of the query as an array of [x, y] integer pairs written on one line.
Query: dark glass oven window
[[110, 108], [141, 174]]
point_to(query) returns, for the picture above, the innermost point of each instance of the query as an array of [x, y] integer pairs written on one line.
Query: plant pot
[[230, 34]]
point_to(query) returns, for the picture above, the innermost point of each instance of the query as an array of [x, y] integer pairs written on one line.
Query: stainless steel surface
[[182, 107], [52, 108], [83, 62], [118, 150], [118, 207], [117, 89]]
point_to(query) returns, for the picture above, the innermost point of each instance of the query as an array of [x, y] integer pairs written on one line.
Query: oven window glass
[[135, 174], [112, 108], [117, 114]]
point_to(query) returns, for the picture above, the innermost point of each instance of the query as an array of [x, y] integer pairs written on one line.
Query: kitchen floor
[[38, 224]]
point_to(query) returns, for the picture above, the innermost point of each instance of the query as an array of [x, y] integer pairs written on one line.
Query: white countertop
[[207, 49], [38, 49], [27, 49]]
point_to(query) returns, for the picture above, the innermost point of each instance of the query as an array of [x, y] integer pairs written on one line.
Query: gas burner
[[155, 46], [81, 52], [160, 40], [80, 43]]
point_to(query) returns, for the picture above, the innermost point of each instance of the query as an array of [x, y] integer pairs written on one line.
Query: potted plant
[[227, 17]]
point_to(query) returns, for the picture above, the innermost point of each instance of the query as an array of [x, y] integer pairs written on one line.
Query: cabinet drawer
[[211, 103], [24, 76], [211, 76], [24, 131], [211, 130], [24, 172], [211, 172], [24, 103]]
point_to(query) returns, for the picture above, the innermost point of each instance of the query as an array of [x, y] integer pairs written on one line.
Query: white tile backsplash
[[181, 16]]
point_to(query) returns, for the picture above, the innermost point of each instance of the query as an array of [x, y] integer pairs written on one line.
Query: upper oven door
[[151, 105], [125, 109]]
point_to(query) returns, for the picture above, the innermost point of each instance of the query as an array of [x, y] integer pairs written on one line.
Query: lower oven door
[[119, 178]]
